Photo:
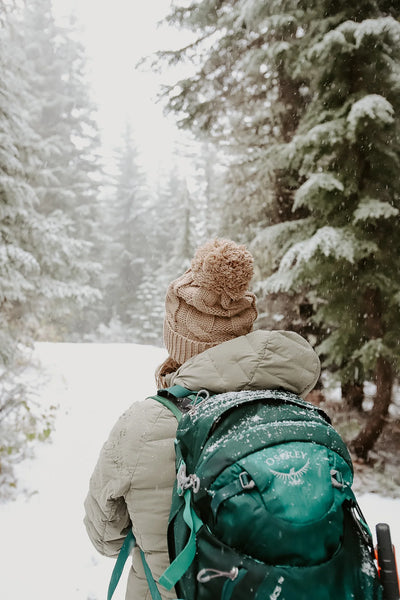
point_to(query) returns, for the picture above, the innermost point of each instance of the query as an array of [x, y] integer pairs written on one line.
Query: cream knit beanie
[[210, 303]]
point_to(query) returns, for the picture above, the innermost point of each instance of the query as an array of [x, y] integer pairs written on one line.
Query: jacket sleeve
[[107, 519], [132, 482]]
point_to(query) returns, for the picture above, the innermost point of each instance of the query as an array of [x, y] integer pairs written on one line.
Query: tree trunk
[[384, 377], [367, 437], [353, 394]]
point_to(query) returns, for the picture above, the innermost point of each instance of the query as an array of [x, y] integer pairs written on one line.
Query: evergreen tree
[[345, 156], [67, 182], [43, 266], [25, 238], [174, 240], [208, 190], [246, 101], [305, 96], [129, 225], [152, 237], [243, 98]]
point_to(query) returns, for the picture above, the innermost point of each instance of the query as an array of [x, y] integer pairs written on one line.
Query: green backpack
[[263, 508]]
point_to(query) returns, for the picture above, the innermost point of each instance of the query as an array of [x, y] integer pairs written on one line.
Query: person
[[211, 344]]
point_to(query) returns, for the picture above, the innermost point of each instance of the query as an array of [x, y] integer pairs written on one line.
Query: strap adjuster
[[246, 481]]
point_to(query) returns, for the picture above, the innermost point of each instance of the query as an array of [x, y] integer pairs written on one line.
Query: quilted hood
[[258, 360]]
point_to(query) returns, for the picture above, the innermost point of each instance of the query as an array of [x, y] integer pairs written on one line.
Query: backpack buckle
[[246, 481], [184, 481]]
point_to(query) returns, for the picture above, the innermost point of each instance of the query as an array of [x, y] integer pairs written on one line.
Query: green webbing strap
[[154, 593], [169, 404], [185, 558], [232, 489], [178, 391], [123, 555], [166, 396]]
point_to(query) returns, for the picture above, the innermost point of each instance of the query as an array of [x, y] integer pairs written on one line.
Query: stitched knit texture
[[210, 303]]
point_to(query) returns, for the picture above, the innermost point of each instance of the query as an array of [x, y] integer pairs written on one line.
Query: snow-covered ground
[[44, 551]]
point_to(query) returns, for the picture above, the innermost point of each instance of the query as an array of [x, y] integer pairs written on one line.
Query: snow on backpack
[[262, 507]]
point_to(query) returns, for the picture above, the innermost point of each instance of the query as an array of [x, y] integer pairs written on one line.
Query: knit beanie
[[210, 303]]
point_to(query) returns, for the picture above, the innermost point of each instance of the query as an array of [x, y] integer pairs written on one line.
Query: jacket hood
[[258, 360]]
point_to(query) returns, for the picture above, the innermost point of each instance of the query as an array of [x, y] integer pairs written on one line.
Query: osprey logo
[[293, 476]]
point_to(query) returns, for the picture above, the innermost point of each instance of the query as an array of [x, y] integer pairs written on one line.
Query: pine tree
[[245, 99], [208, 190], [25, 238], [307, 96], [174, 239], [43, 265], [67, 183], [129, 227], [345, 155]]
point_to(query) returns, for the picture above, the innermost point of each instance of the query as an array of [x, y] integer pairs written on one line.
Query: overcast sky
[[117, 35]]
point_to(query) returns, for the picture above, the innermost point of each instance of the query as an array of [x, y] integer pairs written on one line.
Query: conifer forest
[[293, 112]]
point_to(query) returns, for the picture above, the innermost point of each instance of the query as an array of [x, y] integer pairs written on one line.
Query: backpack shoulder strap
[[169, 404], [173, 398], [177, 398]]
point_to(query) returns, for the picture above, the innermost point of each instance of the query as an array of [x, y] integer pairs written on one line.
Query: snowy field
[[44, 551]]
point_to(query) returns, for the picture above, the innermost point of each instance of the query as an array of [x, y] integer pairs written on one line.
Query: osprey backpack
[[262, 507]]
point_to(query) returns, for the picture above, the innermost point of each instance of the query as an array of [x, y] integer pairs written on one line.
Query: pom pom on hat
[[224, 267], [210, 303]]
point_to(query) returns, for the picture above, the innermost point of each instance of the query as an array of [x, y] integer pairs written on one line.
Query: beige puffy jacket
[[133, 479]]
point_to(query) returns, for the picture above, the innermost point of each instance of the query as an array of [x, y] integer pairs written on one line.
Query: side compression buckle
[[185, 482]]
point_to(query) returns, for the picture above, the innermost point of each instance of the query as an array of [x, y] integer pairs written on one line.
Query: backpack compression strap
[[178, 399], [183, 561], [123, 556]]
